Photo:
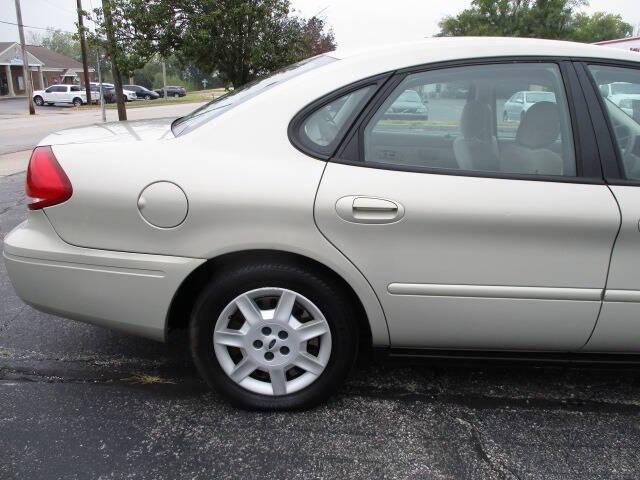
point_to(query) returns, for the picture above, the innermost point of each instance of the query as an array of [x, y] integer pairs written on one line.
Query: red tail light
[[47, 184]]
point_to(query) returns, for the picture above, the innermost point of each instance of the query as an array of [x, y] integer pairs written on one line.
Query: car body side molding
[[496, 291]]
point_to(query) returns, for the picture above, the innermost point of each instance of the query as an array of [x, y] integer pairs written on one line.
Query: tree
[[554, 19], [245, 39], [598, 27]]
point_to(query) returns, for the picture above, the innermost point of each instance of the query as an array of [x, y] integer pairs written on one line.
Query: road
[[82, 402], [22, 132]]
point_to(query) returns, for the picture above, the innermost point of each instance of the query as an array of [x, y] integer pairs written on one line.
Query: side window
[[50, 89], [620, 91], [75, 88], [503, 118], [323, 129]]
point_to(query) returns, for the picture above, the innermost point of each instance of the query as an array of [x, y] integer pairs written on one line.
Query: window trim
[[351, 152], [610, 154], [293, 130]]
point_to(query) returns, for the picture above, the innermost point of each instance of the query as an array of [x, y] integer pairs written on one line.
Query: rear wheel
[[77, 102], [273, 336], [38, 100]]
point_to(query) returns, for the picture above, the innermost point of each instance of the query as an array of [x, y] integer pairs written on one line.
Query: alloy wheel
[[272, 341]]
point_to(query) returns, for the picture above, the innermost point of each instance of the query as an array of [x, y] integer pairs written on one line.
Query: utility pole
[[112, 50], [25, 62], [104, 114], [164, 80], [83, 47]]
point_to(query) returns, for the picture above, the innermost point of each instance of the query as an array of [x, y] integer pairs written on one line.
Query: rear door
[[613, 93], [476, 233]]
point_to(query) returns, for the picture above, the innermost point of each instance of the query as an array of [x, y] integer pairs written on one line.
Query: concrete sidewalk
[[11, 163]]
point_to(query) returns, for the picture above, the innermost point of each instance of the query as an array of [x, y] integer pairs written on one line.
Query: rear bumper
[[131, 292]]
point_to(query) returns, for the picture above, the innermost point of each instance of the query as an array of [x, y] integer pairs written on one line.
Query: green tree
[[598, 27], [245, 39], [554, 19]]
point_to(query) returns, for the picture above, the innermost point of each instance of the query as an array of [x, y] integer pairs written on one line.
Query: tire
[[77, 102], [264, 282], [38, 100], [147, 97]]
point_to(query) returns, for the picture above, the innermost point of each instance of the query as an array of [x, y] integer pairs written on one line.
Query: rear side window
[[619, 88], [322, 130], [75, 88]]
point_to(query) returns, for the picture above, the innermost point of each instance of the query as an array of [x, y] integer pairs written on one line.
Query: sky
[[356, 23]]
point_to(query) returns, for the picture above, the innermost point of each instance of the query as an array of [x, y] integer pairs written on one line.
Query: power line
[[37, 28]]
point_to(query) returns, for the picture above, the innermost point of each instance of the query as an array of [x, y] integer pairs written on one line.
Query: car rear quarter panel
[[247, 188]]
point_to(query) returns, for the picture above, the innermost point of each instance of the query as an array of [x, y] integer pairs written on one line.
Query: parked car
[[141, 92], [409, 105], [520, 102], [172, 91], [286, 231], [109, 92], [73, 94], [622, 94]]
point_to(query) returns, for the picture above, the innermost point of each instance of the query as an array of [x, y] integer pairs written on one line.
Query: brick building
[[46, 67]]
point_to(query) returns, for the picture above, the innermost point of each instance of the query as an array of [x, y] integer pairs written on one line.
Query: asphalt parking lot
[[82, 402]]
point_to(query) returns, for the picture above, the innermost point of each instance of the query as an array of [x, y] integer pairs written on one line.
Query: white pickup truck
[[73, 94]]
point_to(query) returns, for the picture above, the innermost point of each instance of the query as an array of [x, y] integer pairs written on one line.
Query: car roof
[[456, 48]]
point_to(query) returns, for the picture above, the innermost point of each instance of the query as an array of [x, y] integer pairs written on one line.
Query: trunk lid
[[129, 131]]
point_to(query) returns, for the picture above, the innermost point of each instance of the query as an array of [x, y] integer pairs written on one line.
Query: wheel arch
[[179, 311]]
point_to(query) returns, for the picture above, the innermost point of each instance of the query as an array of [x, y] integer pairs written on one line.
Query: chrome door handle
[[371, 210]]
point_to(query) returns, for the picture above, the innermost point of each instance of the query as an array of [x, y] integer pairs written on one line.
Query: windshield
[[625, 88], [228, 101]]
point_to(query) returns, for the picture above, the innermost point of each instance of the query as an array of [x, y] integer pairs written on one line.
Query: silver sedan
[[299, 220]]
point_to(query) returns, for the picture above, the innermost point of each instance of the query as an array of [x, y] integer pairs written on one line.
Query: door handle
[[370, 210], [368, 204]]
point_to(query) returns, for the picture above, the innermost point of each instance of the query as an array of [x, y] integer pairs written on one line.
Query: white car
[[622, 94], [74, 94], [520, 102], [291, 224], [129, 95]]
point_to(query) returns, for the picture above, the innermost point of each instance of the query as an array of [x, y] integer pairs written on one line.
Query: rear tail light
[[47, 184]]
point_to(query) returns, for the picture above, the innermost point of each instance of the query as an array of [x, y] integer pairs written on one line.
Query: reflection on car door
[[468, 252]]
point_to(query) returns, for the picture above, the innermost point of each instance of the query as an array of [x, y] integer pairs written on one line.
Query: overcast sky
[[356, 23]]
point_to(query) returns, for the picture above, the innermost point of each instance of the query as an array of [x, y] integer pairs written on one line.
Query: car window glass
[[75, 88], [321, 130], [620, 90], [50, 89], [468, 119]]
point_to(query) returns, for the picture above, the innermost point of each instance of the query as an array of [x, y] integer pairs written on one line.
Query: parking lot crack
[[486, 448]]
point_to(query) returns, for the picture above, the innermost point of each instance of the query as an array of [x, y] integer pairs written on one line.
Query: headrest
[[476, 121], [540, 126]]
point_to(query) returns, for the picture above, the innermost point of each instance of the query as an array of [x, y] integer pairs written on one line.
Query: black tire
[[332, 301], [77, 102], [38, 100]]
